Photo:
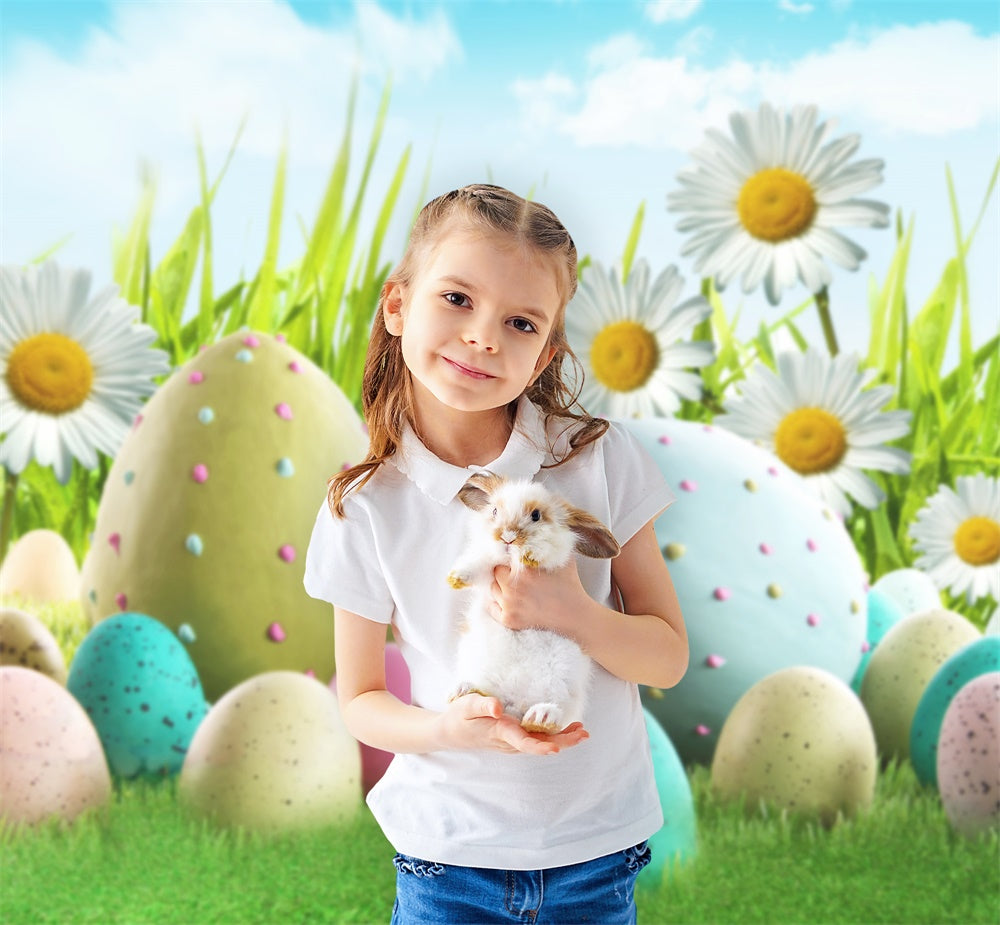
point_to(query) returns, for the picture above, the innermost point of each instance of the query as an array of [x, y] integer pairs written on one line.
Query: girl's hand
[[535, 598], [475, 721]]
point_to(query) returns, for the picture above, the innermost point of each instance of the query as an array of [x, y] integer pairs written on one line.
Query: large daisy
[[628, 337], [957, 534], [73, 370], [765, 202], [816, 417]]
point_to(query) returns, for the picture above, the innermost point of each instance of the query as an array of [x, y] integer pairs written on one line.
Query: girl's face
[[475, 321]]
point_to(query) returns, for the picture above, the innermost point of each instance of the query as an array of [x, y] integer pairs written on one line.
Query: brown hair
[[386, 389]]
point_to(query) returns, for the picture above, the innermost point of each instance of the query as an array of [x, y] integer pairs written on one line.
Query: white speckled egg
[[139, 686], [968, 757], [51, 760], [26, 641], [40, 567], [799, 740], [273, 755], [911, 589], [766, 575], [900, 668]]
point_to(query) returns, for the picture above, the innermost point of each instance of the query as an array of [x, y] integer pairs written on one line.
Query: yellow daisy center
[[624, 355], [977, 541], [810, 440], [51, 373], [776, 204]]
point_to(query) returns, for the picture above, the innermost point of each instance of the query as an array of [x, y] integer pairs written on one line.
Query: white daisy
[[815, 417], [73, 372], [627, 338], [766, 201], [958, 535]]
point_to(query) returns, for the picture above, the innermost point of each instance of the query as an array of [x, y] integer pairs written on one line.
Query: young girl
[[464, 372]]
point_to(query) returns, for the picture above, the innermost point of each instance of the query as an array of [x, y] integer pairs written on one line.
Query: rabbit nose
[[508, 536]]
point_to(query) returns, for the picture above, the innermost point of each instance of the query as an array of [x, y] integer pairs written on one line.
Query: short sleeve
[[342, 565], [637, 489]]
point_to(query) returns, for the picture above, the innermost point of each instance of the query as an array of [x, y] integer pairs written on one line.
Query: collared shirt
[[387, 561]]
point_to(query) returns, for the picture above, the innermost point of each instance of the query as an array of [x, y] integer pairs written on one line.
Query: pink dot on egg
[[287, 553], [812, 545], [276, 633], [121, 600], [115, 541], [722, 594], [771, 470], [813, 619], [136, 421], [866, 646], [280, 338], [200, 473], [196, 377], [665, 440], [702, 730], [283, 410], [708, 428], [310, 673], [715, 661], [295, 367], [345, 467], [688, 485], [251, 340], [765, 549]]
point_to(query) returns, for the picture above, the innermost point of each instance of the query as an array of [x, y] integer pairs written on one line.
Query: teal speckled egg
[[979, 657], [142, 693]]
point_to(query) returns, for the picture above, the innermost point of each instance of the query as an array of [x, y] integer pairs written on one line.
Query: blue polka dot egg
[[142, 692]]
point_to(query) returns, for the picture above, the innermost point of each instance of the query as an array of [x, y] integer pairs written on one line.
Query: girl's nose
[[482, 337]]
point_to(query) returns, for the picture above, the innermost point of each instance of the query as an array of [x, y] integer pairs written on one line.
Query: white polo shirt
[[387, 560]]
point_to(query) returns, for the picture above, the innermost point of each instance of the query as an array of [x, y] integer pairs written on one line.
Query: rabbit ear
[[476, 492], [593, 539]]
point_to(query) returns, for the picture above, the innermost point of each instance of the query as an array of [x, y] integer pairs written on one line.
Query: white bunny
[[539, 676]]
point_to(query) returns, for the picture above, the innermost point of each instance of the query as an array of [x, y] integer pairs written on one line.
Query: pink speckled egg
[[51, 760], [968, 756]]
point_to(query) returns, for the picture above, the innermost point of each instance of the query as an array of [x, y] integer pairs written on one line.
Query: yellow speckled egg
[[51, 760], [40, 567], [902, 665], [273, 755], [27, 642], [798, 740]]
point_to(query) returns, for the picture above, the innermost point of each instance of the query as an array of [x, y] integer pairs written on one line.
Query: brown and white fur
[[539, 676]]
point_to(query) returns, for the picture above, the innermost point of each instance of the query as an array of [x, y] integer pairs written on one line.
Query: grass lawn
[[143, 861]]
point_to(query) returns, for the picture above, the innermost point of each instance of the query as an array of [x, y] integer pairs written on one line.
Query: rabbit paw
[[543, 717], [458, 580], [528, 560], [466, 687]]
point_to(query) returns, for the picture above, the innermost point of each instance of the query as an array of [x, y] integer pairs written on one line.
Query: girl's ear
[[392, 308]]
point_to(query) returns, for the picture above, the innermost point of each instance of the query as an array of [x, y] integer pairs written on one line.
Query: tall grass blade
[[261, 312], [633, 240], [129, 251]]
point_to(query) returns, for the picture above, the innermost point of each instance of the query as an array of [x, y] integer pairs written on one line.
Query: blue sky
[[593, 105]]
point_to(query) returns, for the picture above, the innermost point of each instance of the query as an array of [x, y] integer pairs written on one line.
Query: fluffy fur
[[540, 677]]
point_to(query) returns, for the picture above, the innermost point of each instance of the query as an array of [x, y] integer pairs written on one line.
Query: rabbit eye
[[536, 515]]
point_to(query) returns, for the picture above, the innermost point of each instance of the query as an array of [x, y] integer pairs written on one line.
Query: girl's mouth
[[469, 371]]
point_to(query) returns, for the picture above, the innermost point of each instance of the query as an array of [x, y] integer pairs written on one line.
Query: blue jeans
[[602, 890]]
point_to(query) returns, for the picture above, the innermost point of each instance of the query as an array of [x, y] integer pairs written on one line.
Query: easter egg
[[968, 757], [26, 641], [912, 590], [676, 841], [766, 575], [40, 567], [799, 740], [209, 506], [901, 667], [883, 612], [142, 693], [51, 760], [273, 755], [979, 657]]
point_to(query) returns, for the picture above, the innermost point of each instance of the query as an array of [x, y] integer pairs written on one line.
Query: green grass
[[144, 861]]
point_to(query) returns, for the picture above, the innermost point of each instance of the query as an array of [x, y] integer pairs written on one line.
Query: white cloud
[[798, 9], [660, 11], [884, 80]]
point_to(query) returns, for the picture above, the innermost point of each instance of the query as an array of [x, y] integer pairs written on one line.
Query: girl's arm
[[646, 644], [377, 718]]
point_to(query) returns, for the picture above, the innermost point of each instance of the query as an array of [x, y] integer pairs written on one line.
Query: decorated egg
[[799, 740], [766, 575], [26, 641], [968, 756], [901, 667], [883, 612], [676, 841], [51, 760], [209, 506], [40, 567], [273, 755], [979, 657], [142, 693], [912, 590]]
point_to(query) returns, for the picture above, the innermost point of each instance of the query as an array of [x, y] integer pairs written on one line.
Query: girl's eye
[[456, 299], [522, 324], [536, 515]]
